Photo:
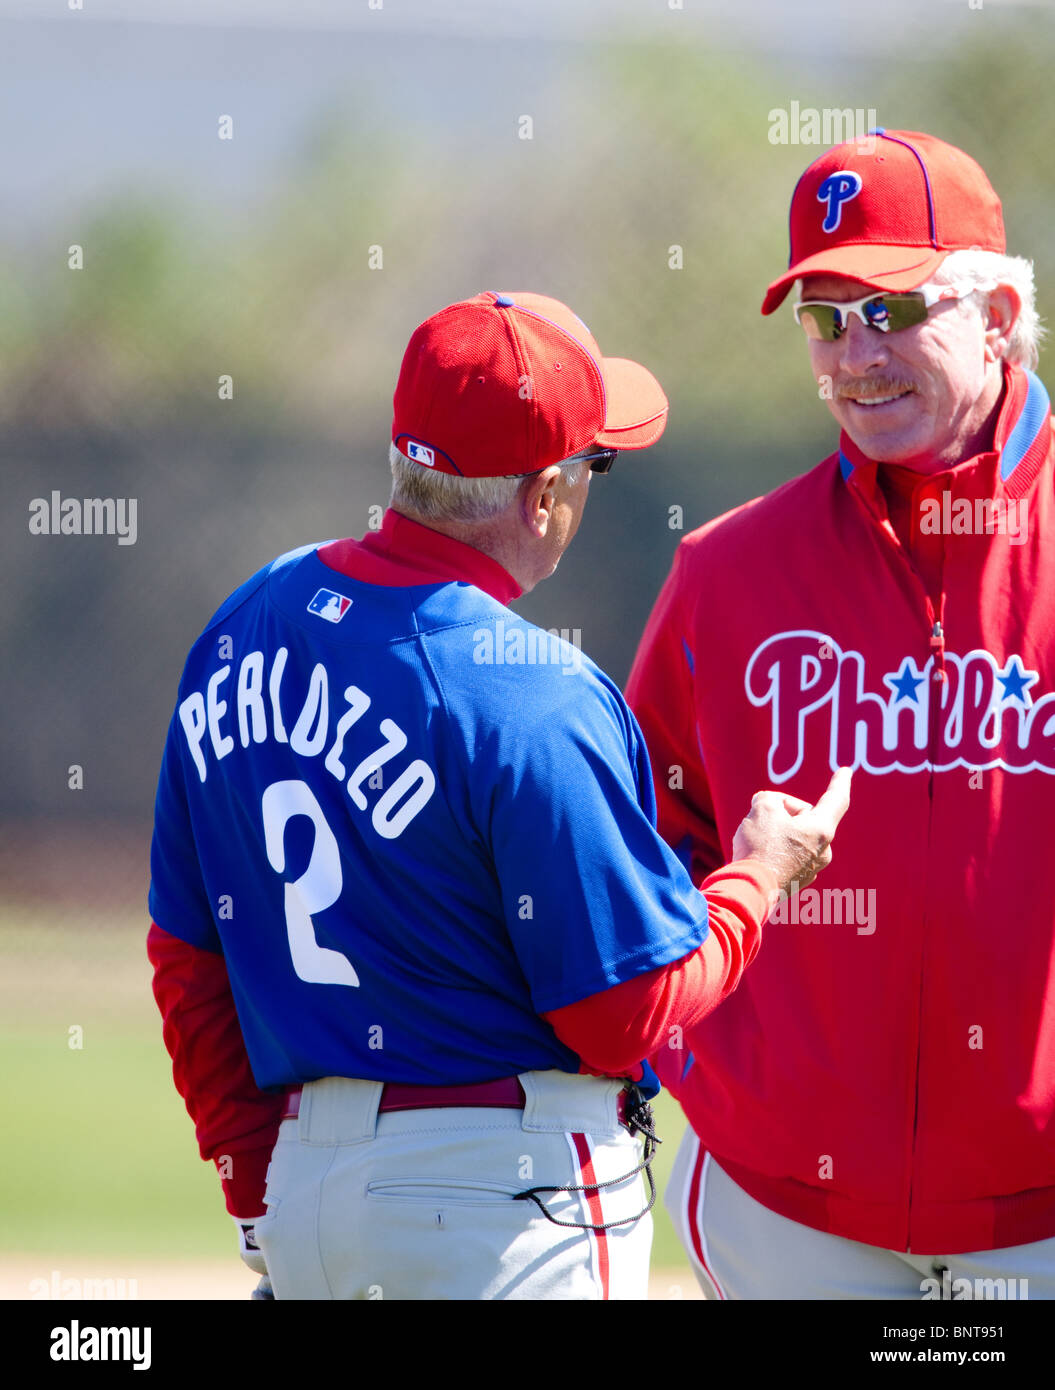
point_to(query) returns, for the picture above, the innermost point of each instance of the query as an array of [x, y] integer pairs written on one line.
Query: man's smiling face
[[920, 397]]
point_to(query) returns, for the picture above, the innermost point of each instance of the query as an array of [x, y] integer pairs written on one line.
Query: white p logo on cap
[[838, 188]]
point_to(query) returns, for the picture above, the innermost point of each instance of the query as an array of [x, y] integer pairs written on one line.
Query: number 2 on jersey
[[318, 887]]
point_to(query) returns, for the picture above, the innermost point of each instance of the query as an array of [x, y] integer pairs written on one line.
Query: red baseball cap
[[887, 209], [504, 384]]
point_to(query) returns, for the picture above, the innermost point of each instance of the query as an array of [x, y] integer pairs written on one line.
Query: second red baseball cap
[[887, 209], [505, 384]]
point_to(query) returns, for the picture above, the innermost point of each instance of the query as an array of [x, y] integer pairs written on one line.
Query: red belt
[[506, 1094]]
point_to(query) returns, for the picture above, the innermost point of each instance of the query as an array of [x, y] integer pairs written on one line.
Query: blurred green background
[[399, 128], [100, 1159]]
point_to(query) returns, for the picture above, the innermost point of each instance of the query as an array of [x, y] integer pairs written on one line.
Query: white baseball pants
[[419, 1204], [739, 1249]]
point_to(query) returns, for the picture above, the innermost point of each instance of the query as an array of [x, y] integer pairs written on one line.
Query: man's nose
[[863, 348]]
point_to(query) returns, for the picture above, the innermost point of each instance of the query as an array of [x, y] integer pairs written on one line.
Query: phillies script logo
[[986, 714]]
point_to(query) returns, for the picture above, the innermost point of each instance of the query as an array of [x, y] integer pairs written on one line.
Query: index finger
[[834, 801]]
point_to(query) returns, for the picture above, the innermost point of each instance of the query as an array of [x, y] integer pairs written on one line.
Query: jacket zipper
[[938, 677]]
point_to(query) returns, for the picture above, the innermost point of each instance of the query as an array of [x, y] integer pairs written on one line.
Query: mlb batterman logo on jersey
[[326, 604]]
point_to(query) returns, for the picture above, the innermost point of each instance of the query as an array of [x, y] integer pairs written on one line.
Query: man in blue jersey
[[410, 911]]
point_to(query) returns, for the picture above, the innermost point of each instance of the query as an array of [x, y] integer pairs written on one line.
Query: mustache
[[873, 387]]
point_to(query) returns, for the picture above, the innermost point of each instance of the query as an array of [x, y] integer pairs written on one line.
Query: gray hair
[[447, 497], [977, 267]]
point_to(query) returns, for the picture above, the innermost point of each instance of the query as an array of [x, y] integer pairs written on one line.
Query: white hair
[[447, 497], [978, 267]]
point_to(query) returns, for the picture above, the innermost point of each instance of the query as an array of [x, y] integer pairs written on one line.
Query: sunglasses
[[826, 320], [600, 462]]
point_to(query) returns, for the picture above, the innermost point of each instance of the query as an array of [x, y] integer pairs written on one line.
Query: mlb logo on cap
[[326, 604], [420, 453]]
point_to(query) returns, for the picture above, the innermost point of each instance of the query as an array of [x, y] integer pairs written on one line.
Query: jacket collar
[[1021, 442], [405, 552]]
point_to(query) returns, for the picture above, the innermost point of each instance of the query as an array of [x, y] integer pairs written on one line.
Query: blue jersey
[[412, 822]]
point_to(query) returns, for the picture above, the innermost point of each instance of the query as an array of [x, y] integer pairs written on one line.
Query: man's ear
[[538, 498], [1005, 305]]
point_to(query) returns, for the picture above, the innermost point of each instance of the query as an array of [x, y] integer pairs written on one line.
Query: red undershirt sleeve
[[612, 1031], [236, 1123]]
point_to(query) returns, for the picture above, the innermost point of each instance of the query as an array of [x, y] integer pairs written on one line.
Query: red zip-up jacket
[[886, 1071]]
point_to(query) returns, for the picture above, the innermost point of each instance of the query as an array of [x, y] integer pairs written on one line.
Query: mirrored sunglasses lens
[[904, 310], [822, 322]]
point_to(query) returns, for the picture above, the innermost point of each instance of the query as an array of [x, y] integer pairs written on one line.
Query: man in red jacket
[[873, 1113]]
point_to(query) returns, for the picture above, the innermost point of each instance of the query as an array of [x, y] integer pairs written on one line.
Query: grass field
[[102, 1172]]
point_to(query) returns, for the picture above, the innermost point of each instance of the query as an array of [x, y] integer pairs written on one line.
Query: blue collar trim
[[1029, 425]]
